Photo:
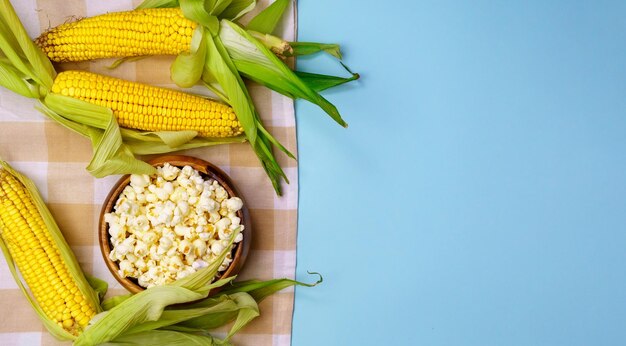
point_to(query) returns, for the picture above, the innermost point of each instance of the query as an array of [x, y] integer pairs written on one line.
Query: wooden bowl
[[208, 171]]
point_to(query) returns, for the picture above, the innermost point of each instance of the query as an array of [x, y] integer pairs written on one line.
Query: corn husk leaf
[[223, 70], [99, 286], [250, 293], [236, 301], [258, 63], [220, 70], [146, 306], [320, 82], [172, 139], [147, 143], [199, 12], [260, 290], [11, 50], [112, 156], [158, 4], [307, 48], [170, 317], [240, 307], [243, 309], [237, 9], [18, 47], [66, 253], [120, 61], [79, 111], [114, 301], [214, 87], [187, 69], [165, 338], [13, 79], [219, 6], [266, 21], [248, 310]]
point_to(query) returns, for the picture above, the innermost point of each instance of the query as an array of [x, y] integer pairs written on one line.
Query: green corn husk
[[267, 19], [84, 283], [220, 74], [320, 82], [308, 48], [165, 338], [255, 289]]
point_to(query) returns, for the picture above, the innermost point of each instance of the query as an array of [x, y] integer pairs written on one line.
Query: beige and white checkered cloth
[[55, 158]]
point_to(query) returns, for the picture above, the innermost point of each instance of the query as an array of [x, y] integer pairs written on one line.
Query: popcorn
[[169, 172], [224, 233], [183, 231], [238, 238], [149, 237], [234, 204], [126, 268], [234, 221], [199, 247], [222, 224], [220, 192], [199, 264], [214, 217], [185, 247], [139, 181], [205, 236], [171, 225], [217, 248], [165, 243]]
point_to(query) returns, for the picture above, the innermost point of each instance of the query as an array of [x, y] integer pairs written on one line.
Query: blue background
[[479, 195]]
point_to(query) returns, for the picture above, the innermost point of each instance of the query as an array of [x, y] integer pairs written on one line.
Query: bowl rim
[[208, 170]]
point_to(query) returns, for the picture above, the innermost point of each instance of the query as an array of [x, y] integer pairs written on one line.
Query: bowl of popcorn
[[161, 228]]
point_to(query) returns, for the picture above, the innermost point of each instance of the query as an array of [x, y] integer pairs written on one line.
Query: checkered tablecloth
[[55, 158]]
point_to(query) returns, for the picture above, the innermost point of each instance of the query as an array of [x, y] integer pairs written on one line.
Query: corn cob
[[39, 258], [143, 107], [143, 32], [163, 31]]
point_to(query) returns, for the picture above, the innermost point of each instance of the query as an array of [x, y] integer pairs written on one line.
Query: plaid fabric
[[55, 158]]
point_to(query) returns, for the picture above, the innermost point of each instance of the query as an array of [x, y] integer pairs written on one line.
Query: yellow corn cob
[[143, 107], [39, 258], [162, 31]]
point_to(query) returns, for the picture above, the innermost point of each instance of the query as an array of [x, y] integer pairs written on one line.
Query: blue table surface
[[479, 195]]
